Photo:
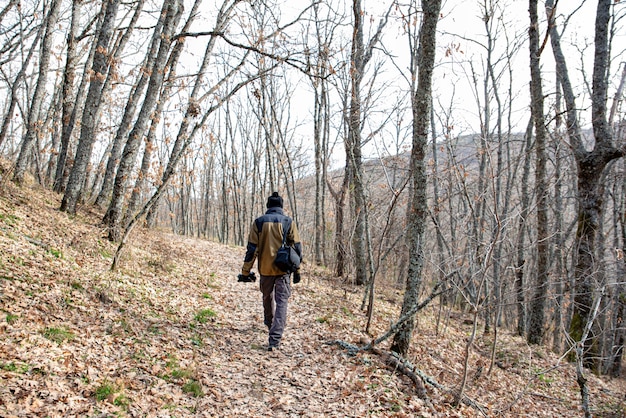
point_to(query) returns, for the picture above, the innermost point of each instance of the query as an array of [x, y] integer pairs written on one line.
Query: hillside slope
[[172, 333]]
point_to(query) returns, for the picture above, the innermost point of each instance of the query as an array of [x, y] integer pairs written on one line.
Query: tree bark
[[559, 240], [359, 58], [537, 307], [590, 165], [34, 122], [193, 105], [15, 86], [91, 114], [521, 235], [129, 111], [418, 210], [171, 12], [69, 99]]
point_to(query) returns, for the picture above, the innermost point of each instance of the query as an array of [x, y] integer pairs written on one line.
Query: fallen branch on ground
[[402, 365]]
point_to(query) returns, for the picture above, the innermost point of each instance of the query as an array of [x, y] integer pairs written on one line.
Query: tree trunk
[[359, 58], [171, 12], [320, 131], [69, 99], [13, 97], [129, 111], [559, 241], [91, 113], [353, 145], [34, 123], [537, 307], [590, 165], [193, 105], [75, 113], [418, 211], [521, 235]]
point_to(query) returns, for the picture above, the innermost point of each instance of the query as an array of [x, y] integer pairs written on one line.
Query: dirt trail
[[307, 377]]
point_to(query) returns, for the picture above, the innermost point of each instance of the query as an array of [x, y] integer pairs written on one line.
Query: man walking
[[266, 237]]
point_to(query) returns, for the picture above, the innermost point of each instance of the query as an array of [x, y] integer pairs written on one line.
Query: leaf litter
[[173, 334]]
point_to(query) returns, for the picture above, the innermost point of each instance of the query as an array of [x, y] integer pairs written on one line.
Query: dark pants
[[276, 291]]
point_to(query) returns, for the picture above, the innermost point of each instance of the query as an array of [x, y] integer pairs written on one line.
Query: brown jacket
[[266, 237]]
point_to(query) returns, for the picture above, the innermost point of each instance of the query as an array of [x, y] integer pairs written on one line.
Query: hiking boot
[[273, 348]]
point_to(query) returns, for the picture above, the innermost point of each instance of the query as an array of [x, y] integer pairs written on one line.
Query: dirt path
[[307, 377]]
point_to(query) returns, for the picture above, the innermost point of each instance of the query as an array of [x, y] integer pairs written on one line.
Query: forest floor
[[172, 333]]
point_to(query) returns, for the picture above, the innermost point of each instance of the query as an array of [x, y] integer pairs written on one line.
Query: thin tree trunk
[[75, 113], [193, 105], [559, 267], [69, 99], [591, 165], [15, 86], [130, 109], [172, 10], [359, 58], [418, 211], [91, 113], [537, 307], [34, 128], [521, 235]]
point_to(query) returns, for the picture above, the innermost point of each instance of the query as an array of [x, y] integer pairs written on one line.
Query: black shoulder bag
[[287, 259]]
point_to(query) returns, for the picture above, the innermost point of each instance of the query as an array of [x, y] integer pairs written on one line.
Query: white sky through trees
[[461, 64]]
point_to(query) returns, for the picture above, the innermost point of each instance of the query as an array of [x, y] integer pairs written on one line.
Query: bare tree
[[34, 122], [171, 13], [193, 106], [68, 96], [360, 56], [18, 80], [590, 166], [423, 66], [131, 105], [536, 315], [321, 70], [91, 114]]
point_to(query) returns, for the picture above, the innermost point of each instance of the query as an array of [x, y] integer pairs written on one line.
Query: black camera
[[247, 279]]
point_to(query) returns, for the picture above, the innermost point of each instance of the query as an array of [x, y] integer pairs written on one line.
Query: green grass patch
[[111, 392], [55, 253], [76, 286], [104, 252], [105, 390], [204, 315], [321, 320], [347, 312], [124, 325], [171, 362], [9, 219], [176, 372], [197, 340], [11, 319], [58, 335], [194, 388], [180, 374], [154, 329], [122, 401], [16, 368], [16, 260]]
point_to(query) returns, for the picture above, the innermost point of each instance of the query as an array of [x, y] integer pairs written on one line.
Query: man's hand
[[246, 279], [296, 277]]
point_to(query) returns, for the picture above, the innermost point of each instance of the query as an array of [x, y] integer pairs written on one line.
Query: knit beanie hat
[[274, 201]]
